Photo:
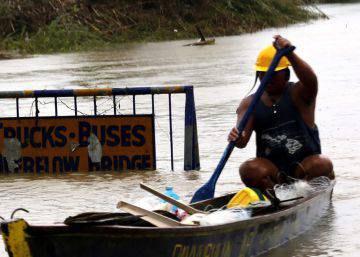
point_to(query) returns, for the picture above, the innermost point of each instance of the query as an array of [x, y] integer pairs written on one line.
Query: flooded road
[[222, 74]]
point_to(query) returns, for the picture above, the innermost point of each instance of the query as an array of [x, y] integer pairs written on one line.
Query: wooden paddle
[[208, 189]]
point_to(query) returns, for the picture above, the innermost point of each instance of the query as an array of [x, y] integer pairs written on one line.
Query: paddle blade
[[203, 193], [207, 191]]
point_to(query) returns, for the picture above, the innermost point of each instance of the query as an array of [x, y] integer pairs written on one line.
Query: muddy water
[[221, 74]]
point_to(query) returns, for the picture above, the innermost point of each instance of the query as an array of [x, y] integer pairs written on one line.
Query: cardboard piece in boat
[[194, 219], [166, 198], [152, 217]]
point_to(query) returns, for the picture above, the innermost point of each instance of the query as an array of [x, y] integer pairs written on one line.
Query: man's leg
[[259, 173], [315, 166]]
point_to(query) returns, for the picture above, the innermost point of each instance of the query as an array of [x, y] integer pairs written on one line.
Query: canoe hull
[[210, 41], [243, 238]]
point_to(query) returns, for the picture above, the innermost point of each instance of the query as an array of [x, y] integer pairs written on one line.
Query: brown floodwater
[[221, 74]]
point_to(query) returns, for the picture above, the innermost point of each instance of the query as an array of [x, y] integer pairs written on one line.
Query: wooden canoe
[[210, 41], [267, 229]]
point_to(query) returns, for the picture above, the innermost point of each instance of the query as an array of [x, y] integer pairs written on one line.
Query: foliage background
[[39, 26]]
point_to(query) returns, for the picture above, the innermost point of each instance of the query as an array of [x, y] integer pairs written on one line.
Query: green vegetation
[[39, 26], [331, 1]]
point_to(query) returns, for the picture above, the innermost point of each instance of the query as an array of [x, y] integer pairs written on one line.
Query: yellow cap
[[266, 56]]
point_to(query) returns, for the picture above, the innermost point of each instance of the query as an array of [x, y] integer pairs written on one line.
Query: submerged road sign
[[69, 144], [42, 143]]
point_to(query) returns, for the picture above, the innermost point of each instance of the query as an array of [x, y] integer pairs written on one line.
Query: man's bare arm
[[307, 86]]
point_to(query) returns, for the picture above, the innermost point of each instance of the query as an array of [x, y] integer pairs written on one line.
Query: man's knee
[[316, 166], [248, 168], [253, 171]]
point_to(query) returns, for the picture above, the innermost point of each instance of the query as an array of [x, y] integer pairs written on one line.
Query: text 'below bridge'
[[106, 140]]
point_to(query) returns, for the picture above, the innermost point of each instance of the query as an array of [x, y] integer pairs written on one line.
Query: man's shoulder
[[244, 104], [296, 90], [247, 100]]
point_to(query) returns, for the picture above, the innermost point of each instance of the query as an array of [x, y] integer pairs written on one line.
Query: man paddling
[[287, 138]]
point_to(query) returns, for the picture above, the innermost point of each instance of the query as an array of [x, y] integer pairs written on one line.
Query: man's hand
[[233, 135], [281, 42], [240, 141]]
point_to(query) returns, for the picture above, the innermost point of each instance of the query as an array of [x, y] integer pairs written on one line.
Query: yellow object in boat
[[245, 197]]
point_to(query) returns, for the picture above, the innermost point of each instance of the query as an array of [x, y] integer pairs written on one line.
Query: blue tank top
[[281, 134]]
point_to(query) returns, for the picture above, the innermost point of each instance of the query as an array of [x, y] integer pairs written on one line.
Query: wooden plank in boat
[[152, 217]]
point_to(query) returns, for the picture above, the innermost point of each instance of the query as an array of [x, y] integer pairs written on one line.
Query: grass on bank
[[54, 38], [68, 25]]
